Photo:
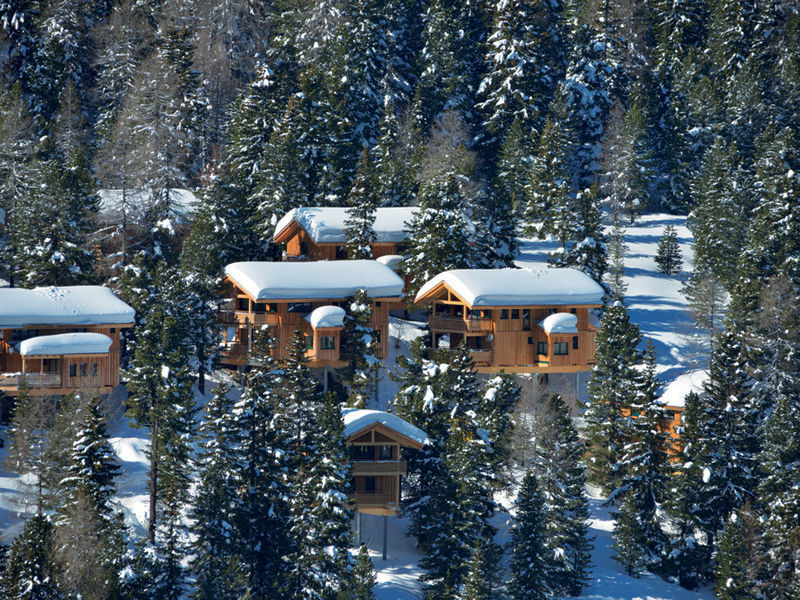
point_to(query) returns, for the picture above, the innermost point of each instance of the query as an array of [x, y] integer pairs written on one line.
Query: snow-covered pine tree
[[584, 243], [668, 254], [159, 381], [739, 569], [525, 61], [639, 539], [548, 186], [611, 392], [617, 248], [558, 465], [362, 202], [483, 580], [360, 351], [497, 402], [31, 573], [514, 162], [628, 169], [320, 508], [261, 538], [363, 578], [530, 562], [215, 566], [718, 222], [395, 163]]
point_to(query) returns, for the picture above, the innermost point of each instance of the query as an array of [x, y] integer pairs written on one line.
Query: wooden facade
[[511, 338], [243, 314], [59, 374], [376, 460], [301, 246]]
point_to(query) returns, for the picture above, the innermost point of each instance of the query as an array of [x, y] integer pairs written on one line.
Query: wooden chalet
[[61, 339], [375, 440], [318, 233], [519, 320], [310, 296]]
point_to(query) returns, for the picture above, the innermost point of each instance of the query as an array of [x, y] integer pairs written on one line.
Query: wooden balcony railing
[[381, 467], [481, 358], [375, 499], [33, 380], [460, 325]]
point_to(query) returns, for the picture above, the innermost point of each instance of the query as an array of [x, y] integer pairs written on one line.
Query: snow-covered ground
[[655, 304]]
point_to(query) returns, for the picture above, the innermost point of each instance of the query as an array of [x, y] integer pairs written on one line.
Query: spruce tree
[[639, 540], [558, 465], [739, 571], [31, 573], [360, 351], [363, 578], [482, 581], [617, 248], [362, 203], [530, 562], [668, 254], [611, 392]]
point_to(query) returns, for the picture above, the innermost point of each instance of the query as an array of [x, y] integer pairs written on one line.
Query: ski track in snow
[[655, 304]]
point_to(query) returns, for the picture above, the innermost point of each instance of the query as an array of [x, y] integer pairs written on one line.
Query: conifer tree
[[214, 562], [549, 185], [361, 348], [482, 581], [530, 557], [31, 573], [514, 162], [617, 248], [611, 393], [738, 560], [394, 159], [639, 540], [668, 254], [362, 203], [558, 465], [363, 577]]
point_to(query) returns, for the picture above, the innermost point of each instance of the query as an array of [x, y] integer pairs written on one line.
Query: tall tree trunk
[[151, 527]]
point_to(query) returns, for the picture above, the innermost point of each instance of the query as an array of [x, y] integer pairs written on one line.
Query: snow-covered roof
[[676, 391], [315, 280], [560, 323], [74, 305], [326, 316], [356, 419], [65, 343], [519, 287], [326, 224], [393, 261], [182, 202]]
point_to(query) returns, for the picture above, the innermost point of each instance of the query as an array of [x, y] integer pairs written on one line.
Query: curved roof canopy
[[74, 305], [560, 323], [65, 343], [517, 287], [326, 316], [315, 280]]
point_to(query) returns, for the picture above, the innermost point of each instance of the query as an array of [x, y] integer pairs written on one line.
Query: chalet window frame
[[503, 314], [515, 314], [73, 370], [560, 349], [340, 252], [302, 308], [541, 348], [383, 454], [327, 342], [308, 341], [574, 342], [526, 319]]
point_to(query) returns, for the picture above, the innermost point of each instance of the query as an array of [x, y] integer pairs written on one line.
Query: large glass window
[[541, 348], [341, 253], [515, 313], [327, 342], [385, 453], [526, 319], [361, 452], [299, 307], [560, 348], [504, 313]]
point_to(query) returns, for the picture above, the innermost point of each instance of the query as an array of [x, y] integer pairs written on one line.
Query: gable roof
[[517, 287], [314, 280], [73, 305], [357, 420], [326, 224]]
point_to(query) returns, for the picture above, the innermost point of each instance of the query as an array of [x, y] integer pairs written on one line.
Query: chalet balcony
[[460, 325], [481, 358], [13, 381], [373, 499], [237, 354], [381, 467]]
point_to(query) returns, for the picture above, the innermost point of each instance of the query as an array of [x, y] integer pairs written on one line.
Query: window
[[530, 340], [553, 311], [303, 248], [94, 370], [526, 319], [473, 314], [515, 313], [260, 308], [504, 313], [560, 348], [113, 330], [361, 452], [573, 310], [84, 370], [309, 341], [327, 342], [243, 304], [369, 484], [574, 342], [377, 304], [541, 348], [486, 314], [51, 365], [73, 370], [385, 453], [341, 253], [299, 307], [458, 311]]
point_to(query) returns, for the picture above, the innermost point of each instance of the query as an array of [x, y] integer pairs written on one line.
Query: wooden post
[[385, 520], [325, 381], [358, 528]]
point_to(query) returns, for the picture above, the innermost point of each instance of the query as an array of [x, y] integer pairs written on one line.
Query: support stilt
[[358, 528], [385, 520], [325, 381]]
